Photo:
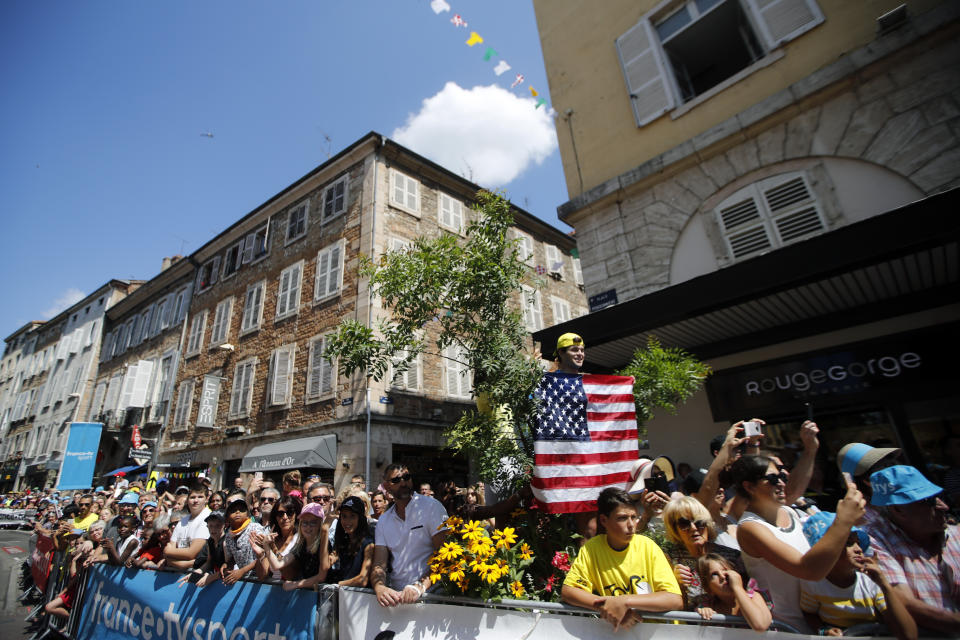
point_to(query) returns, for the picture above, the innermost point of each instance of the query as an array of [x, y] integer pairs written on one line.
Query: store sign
[[209, 397], [830, 377], [141, 455]]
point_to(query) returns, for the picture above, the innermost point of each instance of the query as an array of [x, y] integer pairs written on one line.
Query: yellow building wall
[[584, 73]]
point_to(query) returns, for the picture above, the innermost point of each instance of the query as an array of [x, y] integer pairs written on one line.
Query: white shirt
[[410, 540], [190, 529]]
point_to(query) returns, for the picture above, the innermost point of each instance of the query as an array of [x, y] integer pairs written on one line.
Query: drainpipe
[[373, 237]]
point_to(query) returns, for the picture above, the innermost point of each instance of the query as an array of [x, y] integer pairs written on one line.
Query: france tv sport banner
[[130, 603], [80, 456]]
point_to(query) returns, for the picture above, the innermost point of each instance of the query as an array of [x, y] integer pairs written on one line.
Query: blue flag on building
[[80, 456]]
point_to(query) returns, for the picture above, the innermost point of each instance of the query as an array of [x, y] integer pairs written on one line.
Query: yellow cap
[[568, 340]]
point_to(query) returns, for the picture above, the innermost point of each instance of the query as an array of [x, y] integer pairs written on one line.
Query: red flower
[[549, 586], [561, 560]]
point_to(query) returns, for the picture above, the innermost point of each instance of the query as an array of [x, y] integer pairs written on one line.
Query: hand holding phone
[[752, 428]]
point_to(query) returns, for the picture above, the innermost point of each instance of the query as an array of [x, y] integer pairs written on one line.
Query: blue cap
[[99, 489], [816, 525], [130, 498], [900, 484], [149, 503]]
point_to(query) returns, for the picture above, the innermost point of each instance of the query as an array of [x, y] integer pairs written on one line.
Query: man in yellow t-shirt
[[85, 517], [620, 571]]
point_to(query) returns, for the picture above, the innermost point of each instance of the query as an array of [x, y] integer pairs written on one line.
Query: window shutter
[[251, 307], [141, 384], [452, 371], [780, 21], [644, 69], [113, 393], [184, 402], [237, 391], [742, 224], [412, 375], [561, 310], [129, 379], [293, 294], [554, 260], [282, 369], [323, 272], [76, 339], [334, 268], [577, 272], [91, 334]]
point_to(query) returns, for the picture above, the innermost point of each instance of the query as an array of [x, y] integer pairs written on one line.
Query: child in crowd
[[854, 592], [727, 594], [240, 558]]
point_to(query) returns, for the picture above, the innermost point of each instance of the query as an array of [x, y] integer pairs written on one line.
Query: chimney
[[166, 263]]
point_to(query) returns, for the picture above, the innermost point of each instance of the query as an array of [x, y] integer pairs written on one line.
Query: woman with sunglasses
[[284, 536], [304, 560], [774, 549], [691, 534]]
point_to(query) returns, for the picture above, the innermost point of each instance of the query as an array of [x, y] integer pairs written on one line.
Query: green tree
[[664, 378], [461, 289]]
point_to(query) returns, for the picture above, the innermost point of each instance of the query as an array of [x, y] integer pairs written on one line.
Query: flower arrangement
[[475, 563]]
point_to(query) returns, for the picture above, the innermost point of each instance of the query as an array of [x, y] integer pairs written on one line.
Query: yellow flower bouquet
[[476, 563]]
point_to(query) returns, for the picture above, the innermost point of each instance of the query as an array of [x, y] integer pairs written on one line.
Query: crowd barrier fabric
[[127, 603], [362, 618], [40, 561]]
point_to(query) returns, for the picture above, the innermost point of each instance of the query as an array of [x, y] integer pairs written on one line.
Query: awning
[[124, 470], [317, 451], [903, 260]]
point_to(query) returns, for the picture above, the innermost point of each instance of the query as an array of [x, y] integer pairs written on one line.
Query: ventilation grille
[[739, 214], [798, 224], [787, 194], [749, 241]]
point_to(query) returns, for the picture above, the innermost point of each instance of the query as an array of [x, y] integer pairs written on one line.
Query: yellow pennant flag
[[474, 39], [533, 92]]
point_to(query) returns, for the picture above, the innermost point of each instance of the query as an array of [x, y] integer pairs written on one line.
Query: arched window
[[769, 214]]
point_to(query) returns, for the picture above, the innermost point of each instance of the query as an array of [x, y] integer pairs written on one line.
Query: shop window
[[685, 49], [769, 214]]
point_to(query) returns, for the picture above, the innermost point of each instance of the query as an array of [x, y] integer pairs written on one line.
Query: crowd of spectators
[[737, 538]]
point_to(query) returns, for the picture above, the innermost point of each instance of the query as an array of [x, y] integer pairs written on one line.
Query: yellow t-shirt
[[641, 568], [86, 522]]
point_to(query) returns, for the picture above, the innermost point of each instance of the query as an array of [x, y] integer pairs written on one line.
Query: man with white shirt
[[409, 531], [189, 538]]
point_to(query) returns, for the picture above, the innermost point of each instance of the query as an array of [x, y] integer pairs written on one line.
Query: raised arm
[[803, 470]]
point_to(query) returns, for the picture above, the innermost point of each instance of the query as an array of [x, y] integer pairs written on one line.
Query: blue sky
[[103, 168]]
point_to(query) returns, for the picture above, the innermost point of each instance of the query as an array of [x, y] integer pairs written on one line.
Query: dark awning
[[317, 451], [904, 260]]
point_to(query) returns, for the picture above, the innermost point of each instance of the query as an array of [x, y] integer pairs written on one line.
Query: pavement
[[13, 551]]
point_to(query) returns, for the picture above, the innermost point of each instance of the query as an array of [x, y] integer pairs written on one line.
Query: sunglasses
[[398, 479], [270, 500], [86, 504], [683, 523], [321, 498], [148, 510], [283, 514], [774, 478]]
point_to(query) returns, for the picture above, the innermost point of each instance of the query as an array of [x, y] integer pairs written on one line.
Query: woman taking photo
[[774, 549], [692, 534], [304, 561], [352, 558]]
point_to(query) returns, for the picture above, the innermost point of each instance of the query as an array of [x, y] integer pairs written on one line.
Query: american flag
[[585, 439]]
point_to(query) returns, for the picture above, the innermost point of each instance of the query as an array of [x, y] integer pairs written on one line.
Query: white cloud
[[69, 297], [486, 134]]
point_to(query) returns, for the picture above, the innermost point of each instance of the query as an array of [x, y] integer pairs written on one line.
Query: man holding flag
[[585, 439]]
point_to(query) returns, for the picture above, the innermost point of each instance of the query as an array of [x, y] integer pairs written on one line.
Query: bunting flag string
[[502, 66]]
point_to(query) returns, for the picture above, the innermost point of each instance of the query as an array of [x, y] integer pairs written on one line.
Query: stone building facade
[[271, 287], [789, 210]]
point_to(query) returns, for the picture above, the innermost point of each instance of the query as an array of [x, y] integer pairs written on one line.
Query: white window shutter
[[282, 369], [335, 268], [412, 375], [452, 370], [293, 294], [184, 402], [113, 393], [577, 272], [138, 395], [129, 380], [645, 71], [780, 21], [91, 332], [323, 271], [554, 260]]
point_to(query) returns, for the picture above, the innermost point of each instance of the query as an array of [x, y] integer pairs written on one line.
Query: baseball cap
[[816, 525], [312, 509], [215, 515], [236, 505], [900, 484], [149, 503], [355, 504], [568, 340], [129, 498], [856, 458]]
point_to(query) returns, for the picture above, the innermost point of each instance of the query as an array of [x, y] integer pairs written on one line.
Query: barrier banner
[[362, 618], [80, 456], [127, 603], [40, 561]]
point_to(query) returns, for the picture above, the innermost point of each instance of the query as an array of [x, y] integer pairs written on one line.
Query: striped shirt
[[934, 578], [843, 607]]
